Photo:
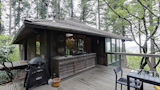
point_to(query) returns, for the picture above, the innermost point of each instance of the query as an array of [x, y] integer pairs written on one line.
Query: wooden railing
[[132, 54]]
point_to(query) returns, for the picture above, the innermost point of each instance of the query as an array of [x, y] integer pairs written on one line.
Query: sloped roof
[[72, 25]]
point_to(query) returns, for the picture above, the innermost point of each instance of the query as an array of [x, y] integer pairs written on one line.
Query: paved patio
[[97, 78]]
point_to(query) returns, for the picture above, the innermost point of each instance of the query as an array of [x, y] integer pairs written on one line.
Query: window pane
[[113, 50], [107, 45], [113, 58], [118, 48], [120, 45], [113, 45], [109, 58]]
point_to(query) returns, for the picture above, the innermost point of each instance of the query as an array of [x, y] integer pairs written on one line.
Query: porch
[[97, 78]]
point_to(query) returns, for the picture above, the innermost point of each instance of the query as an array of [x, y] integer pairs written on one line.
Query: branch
[[155, 44], [125, 20], [155, 30], [157, 64], [131, 14], [147, 8]]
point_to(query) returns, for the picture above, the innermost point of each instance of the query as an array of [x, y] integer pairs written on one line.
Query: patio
[[97, 78]]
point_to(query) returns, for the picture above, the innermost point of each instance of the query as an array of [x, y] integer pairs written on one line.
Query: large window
[[120, 45], [108, 43], [108, 49], [113, 50], [118, 48], [113, 45]]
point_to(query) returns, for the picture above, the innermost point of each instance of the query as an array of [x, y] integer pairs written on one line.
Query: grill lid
[[36, 60]]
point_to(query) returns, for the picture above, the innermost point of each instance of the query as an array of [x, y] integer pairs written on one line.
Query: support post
[[120, 60]]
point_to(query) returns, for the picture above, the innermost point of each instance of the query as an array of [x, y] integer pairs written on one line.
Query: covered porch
[[97, 78]]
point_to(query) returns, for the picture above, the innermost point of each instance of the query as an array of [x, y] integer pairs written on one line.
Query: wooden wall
[[56, 43], [43, 44], [98, 46], [31, 47]]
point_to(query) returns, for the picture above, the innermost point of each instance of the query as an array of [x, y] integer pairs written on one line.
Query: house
[[69, 46]]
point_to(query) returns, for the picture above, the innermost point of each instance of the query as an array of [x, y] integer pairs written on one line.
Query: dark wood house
[[69, 46]]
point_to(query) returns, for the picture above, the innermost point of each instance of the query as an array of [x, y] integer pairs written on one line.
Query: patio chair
[[123, 81]]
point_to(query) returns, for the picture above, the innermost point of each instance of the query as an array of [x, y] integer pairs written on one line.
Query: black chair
[[123, 81]]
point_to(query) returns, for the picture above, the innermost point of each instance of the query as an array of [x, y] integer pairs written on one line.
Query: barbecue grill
[[37, 73]]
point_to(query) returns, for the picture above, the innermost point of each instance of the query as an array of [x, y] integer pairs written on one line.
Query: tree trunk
[[98, 16], [10, 14], [56, 10], [1, 20], [37, 8], [71, 8], [153, 61], [59, 9], [140, 50]]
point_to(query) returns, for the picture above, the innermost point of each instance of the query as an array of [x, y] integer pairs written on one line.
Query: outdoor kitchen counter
[[64, 66]]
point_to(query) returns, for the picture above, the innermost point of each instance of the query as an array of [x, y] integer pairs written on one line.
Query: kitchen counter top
[[70, 56]]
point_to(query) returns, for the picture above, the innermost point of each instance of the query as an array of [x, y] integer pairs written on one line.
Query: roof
[[72, 25]]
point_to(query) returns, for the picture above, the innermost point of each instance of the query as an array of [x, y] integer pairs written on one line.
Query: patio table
[[151, 77]]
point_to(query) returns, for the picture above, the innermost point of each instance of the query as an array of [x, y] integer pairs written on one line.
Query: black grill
[[37, 73]]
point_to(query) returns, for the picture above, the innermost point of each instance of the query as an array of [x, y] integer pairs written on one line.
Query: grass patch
[[134, 62]]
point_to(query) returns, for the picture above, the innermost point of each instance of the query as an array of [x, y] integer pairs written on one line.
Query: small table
[[150, 77]]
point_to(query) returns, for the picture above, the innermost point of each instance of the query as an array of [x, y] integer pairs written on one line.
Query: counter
[[65, 66]]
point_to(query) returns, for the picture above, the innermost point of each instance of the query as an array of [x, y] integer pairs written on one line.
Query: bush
[[15, 55]]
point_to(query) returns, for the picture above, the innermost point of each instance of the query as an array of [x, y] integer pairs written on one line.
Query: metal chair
[[123, 81]]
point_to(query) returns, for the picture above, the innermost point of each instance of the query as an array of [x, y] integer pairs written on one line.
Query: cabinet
[[67, 66]]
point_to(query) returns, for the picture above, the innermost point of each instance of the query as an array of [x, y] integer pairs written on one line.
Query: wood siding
[[72, 65], [31, 47]]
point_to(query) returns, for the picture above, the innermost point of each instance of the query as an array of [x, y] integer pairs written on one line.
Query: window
[[120, 42], [108, 43], [108, 48], [118, 48], [21, 51], [37, 45], [113, 50]]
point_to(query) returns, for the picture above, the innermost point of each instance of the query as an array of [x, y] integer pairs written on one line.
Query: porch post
[[120, 60]]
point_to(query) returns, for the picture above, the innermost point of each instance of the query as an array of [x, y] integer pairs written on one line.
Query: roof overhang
[[65, 26]]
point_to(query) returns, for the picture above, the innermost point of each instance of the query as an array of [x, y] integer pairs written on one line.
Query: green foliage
[[15, 55], [37, 47], [4, 77], [134, 62], [7, 50]]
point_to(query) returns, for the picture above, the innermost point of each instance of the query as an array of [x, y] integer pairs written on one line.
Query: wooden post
[[120, 60], [106, 60]]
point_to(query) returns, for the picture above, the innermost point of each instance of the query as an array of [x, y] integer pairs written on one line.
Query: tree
[[10, 16], [87, 13], [20, 8], [5, 50], [132, 12]]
